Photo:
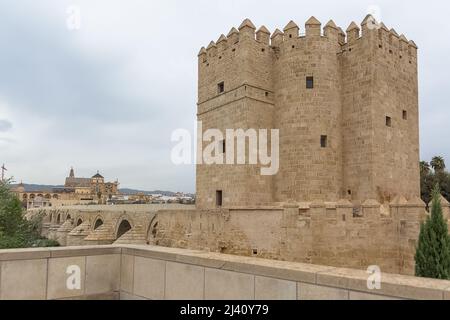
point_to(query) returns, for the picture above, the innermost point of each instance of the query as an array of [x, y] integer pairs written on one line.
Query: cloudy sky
[[108, 95]]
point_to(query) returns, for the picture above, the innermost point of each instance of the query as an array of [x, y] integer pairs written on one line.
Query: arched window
[[79, 222]]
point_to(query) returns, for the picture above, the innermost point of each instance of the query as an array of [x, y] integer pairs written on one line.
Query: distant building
[[92, 190]]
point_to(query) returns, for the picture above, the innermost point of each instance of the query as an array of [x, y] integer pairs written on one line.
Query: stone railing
[[145, 272]]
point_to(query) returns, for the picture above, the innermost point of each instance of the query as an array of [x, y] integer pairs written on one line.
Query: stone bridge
[[102, 225]]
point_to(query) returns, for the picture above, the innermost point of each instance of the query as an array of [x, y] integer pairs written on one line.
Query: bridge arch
[[98, 222], [123, 226], [152, 230], [79, 221]]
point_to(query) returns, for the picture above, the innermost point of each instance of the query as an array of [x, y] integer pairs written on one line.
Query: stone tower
[[345, 104]]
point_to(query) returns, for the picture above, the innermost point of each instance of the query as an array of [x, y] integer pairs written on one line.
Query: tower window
[[405, 115], [309, 82], [388, 121], [223, 144], [221, 87], [219, 200], [323, 141]]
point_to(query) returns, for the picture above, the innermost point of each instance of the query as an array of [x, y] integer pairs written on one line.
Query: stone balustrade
[[146, 272]]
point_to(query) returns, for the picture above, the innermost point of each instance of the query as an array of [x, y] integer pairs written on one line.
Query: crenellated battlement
[[369, 28]]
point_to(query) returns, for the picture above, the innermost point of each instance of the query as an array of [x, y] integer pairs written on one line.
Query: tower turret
[[331, 31], [247, 29], [291, 30], [221, 43], [352, 32], [313, 27], [263, 35], [277, 38], [233, 36]]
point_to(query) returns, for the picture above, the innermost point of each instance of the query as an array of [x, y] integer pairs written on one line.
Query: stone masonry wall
[[334, 234]]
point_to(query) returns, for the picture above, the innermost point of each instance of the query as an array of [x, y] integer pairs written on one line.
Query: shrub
[[433, 250], [15, 230]]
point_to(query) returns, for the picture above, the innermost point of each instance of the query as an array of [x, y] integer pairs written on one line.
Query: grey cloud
[[5, 125], [111, 94]]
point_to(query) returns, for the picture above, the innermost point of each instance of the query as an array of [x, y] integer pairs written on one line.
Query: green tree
[[429, 178], [427, 181], [425, 168], [438, 164], [433, 250], [15, 230]]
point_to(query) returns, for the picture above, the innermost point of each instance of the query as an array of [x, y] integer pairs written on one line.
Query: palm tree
[[424, 168], [438, 164]]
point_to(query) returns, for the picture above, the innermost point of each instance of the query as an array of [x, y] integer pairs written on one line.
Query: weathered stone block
[[58, 276], [102, 274], [355, 295], [127, 273], [23, 280], [274, 289], [315, 292], [149, 278], [184, 282], [228, 285]]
